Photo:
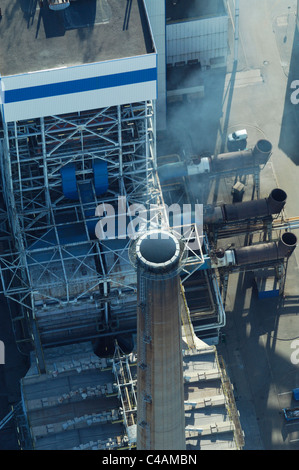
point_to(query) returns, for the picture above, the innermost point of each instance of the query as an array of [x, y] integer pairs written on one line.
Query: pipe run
[[242, 159], [254, 254], [220, 163], [229, 213]]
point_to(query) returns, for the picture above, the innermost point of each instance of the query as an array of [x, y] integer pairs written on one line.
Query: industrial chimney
[[160, 385]]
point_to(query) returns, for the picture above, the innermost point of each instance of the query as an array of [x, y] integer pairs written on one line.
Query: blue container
[[69, 182], [100, 172]]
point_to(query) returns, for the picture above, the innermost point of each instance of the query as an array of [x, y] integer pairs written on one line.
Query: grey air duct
[[237, 212], [220, 163], [242, 159], [160, 384], [172, 171], [230, 213], [270, 252], [266, 252]]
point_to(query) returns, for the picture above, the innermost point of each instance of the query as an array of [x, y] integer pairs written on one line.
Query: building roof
[[74, 405], [33, 37], [77, 403], [211, 418], [179, 10]]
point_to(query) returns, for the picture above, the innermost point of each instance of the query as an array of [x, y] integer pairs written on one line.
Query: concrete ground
[[254, 93], [261, 334]]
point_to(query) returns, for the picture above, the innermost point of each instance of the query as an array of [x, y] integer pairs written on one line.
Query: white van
[[237, 136]]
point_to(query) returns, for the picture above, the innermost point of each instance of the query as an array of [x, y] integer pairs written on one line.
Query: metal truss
[[126, 387], [65, 279]]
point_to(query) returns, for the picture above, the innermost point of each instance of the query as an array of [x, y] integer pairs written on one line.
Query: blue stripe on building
[[80, 85]]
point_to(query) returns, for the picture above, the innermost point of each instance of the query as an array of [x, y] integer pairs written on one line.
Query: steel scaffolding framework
[[69, 285], [56, 263]]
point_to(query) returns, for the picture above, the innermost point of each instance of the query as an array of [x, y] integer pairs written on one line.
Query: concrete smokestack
[[160, 386]]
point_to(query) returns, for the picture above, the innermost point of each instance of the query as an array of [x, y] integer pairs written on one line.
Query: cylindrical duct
[[238, 211], [262, 151], [222, 162], [256, 253], [160, 385], [232, 160], [245, 210], [243, 158], [286, 244], [266, 252], [255, 208], [172, 171], [276, 201]]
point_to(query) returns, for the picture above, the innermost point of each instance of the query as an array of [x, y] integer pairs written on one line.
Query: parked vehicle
[[291, 413], [238, 136]]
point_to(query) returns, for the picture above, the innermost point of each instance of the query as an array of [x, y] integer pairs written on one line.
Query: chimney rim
[[168, 259]]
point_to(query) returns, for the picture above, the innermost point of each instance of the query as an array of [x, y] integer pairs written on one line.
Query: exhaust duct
[[220, 163], [228, 213], [257, 254]]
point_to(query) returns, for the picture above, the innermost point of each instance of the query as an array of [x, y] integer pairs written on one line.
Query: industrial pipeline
[[268, 252], [221, 163], [260, 208]]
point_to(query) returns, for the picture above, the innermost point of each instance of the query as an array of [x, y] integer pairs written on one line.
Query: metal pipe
[[266, 252], [286, 244], [276, 200], [220, 163], [254, 254], [242, 159], [227, 213], [172, 171]]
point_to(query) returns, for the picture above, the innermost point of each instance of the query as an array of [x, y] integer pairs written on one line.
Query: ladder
[[10, 415], [186, 320]]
